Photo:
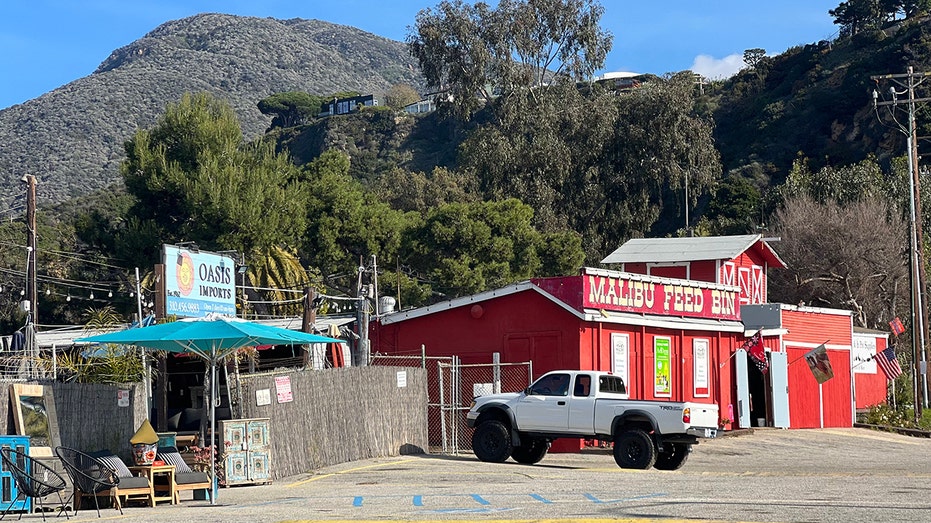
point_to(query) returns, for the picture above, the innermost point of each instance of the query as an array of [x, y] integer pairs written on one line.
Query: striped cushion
[[115, 463], [171, 456]]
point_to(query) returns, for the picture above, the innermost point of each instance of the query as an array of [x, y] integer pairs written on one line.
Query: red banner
[[643, 294]]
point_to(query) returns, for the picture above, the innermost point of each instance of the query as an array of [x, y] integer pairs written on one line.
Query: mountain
[[72, 137]]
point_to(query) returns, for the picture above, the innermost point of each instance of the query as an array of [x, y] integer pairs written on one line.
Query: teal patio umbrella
[[212, 339]]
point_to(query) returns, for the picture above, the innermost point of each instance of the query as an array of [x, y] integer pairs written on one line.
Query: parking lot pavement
[[843, 475]]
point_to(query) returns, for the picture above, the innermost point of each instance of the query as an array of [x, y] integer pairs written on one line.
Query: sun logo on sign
[[185, 273]]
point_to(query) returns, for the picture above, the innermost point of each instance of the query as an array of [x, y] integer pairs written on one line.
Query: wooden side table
[[150, 472]]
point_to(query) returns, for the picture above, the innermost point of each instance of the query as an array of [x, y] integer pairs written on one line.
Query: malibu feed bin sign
[[198, 283]]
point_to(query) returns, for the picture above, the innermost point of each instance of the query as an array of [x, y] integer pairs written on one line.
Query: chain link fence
[[451, 388]]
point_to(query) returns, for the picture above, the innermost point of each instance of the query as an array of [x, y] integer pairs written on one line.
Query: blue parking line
[[540, 498], [418, 501], [480, 500], [357, 502], [645, 496]]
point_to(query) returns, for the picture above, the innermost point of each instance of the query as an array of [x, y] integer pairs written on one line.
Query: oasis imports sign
[[642, 294], [198, 283]]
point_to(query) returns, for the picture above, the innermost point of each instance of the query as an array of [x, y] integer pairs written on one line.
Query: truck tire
[[674, 455], [634, 449], [491, 442], [531, 451]]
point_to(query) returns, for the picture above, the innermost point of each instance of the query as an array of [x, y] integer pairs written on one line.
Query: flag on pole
[[896, 326], [888, 363], [756, 351], [819, 363]]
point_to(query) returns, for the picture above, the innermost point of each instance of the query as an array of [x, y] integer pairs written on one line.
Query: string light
[[92, 295]]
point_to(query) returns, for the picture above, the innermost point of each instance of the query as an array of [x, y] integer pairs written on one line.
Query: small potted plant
[[724, 424], [202, 461]]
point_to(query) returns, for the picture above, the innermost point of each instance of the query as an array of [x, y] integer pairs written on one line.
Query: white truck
[[588, 404]]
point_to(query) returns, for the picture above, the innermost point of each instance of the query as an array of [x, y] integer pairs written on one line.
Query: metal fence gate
[[451, 388]]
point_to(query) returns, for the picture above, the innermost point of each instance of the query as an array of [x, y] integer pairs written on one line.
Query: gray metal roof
[[667, 250]]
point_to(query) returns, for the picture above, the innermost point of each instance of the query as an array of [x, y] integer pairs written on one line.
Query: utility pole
[[31, 292], [919, 314]]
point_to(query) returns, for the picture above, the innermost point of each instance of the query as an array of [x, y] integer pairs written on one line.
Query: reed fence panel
[[341, 415]]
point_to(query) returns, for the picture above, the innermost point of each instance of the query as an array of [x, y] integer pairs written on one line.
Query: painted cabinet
[[9, 493], [248, 451]]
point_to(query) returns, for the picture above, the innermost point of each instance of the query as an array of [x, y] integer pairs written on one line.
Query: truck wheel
[[673, 456], [491, 442], [634, 449], [531, 451]]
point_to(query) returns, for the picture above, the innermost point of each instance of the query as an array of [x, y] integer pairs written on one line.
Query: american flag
[[888, 364]]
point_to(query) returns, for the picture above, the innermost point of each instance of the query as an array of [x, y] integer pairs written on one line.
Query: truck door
[[582, 405], [545, 407]]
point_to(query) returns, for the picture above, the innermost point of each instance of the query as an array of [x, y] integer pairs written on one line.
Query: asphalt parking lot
[[830, 475]]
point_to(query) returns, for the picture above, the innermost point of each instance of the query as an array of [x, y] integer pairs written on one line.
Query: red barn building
[[803, 402], [666, 337], [670, 325]]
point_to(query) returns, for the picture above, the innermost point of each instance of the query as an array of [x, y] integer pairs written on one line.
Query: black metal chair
[[34, 479], [90, 477]]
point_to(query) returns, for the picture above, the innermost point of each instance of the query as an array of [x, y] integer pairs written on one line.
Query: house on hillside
[[347, 105], [427, 105], [619, 81]]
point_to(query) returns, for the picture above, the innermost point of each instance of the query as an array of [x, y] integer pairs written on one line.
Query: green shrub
[[887, 416]]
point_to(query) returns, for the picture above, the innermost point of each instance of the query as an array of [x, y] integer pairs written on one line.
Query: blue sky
[[45, 44]]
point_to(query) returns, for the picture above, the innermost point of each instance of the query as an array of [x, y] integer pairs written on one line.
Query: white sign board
[[122, 398], [263, 397], [402, 378], [283, 389], [862, 352], [482, 389], [619, 357], [701, 389]]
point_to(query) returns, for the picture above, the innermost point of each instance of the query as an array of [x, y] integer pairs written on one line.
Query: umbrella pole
[[213, 425]]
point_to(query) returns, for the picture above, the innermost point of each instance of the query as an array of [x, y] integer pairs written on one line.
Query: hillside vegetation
[[815, 101]]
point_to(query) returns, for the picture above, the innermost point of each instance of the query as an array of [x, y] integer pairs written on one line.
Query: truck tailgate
[[703, 414]]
